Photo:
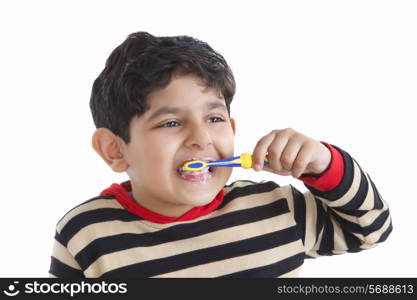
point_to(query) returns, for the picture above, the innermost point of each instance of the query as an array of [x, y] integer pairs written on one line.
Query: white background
[[344, 72]]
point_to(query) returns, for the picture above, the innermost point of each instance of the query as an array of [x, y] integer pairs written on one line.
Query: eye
[[216, 120], [169, 124]]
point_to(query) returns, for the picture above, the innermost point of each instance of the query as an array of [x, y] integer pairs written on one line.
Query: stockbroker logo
[[12, 289]]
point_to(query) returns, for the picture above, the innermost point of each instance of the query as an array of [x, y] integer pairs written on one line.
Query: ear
[[109, 146], [233, 123]]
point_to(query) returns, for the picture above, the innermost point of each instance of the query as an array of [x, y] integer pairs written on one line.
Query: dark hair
[[144, 63]]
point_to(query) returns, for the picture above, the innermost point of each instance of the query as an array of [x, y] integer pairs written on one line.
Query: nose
[[198, 137]]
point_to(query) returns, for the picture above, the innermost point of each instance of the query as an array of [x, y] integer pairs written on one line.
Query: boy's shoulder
[[105, 207], [88, 207]]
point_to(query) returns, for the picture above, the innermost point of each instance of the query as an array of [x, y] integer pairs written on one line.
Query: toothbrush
[[244, 161]]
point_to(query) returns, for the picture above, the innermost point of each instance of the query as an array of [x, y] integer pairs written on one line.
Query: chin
[[201, 189], [201, 199]]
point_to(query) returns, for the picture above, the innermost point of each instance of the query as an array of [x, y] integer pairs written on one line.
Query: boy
[[163, 101]]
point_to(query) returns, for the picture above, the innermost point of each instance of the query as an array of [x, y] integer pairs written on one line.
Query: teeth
[[182, 171]]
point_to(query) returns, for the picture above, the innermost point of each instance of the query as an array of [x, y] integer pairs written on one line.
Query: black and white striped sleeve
[[63, 264], [347, 218]]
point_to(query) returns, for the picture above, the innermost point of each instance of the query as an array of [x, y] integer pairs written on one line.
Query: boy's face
[[185, 122]]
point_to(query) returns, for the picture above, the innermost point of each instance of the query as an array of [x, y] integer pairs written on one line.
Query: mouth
[[196, 176]]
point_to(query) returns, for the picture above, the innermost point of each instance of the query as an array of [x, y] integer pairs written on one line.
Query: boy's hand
[[290, 153]]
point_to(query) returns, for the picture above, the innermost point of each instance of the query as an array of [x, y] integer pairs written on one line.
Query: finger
[[268, 169], [289, 153], [260, 150], [275, 150], [302, 160]]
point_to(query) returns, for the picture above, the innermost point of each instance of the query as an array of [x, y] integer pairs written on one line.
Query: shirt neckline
[[121, 193]]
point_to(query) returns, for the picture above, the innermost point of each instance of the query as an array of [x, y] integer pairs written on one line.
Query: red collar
[[121, 192]]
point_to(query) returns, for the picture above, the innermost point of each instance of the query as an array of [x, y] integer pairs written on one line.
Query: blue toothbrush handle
[[244, 161]]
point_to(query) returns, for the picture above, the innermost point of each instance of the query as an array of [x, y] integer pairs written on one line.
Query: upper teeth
[[181, 169]]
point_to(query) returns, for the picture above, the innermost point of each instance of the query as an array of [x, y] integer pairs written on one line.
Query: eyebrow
[[174, 110]]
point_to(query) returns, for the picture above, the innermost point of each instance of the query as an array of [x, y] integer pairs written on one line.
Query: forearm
[[344, 207]]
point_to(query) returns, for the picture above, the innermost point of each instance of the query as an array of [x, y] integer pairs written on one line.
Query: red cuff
[[331, 177]]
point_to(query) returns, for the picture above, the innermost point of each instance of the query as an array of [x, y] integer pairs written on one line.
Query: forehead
[[184, 91]]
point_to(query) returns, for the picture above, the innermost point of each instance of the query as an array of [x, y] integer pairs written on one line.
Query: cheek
[[158, 154], [225, 143]]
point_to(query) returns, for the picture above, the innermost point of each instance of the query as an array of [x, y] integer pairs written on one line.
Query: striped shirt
[[256, 230]]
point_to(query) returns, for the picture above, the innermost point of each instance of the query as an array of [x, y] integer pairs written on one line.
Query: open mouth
[[196, 176]]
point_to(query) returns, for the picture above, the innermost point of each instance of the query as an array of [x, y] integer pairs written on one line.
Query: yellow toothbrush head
[[195, 165]]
